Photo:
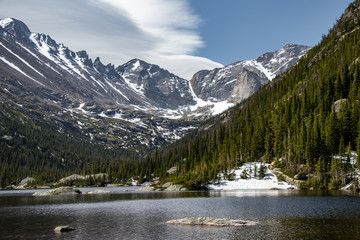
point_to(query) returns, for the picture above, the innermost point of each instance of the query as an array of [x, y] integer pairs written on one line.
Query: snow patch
[[136, 65], [117, 90], [25, 62], [231, 81], [270, 181], [72, 68], [136, 88], [255, 64], [28, 50], [217, 107], [353, 158], [19, 70], [5, 22]]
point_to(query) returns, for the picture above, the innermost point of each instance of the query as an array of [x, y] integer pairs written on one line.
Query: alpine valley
[[64, 113]]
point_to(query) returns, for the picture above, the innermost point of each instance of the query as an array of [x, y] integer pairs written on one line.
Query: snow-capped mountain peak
[[275, 63], [16, 28], [240, 80], [5, 22]]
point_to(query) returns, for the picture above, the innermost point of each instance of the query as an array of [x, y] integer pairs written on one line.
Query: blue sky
[[236, 30], [183, 36]]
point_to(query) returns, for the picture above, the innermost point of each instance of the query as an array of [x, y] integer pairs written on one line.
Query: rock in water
[[64, 190], [61, 229], [99, 191], [59, 191], [215, 222]]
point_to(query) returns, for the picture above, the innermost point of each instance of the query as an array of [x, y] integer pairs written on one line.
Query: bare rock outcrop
[[59, 191], [214, 222]]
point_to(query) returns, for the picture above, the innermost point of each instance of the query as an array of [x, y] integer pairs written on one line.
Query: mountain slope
[[306, 121], [240, 80], [53, 66], [140, 103]]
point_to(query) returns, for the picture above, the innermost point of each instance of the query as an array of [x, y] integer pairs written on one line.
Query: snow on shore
[[270, 181]]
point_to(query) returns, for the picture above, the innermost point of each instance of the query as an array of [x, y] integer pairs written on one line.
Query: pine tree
[[262, 171], [358, 148]]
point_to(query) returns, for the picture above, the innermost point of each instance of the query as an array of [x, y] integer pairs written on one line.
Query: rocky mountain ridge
[[134, 104], [240, 80]]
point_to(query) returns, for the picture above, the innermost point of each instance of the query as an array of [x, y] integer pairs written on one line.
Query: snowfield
[[270, 181]]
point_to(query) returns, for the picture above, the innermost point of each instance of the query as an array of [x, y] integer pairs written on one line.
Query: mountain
[[143, 104], [47, 64], [305, 122], [139, 100], [240, 80], [164, 89]]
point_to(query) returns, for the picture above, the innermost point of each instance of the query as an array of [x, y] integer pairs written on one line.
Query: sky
[[182, 36]]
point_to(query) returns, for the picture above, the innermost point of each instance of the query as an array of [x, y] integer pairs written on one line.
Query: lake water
[[136, 215]]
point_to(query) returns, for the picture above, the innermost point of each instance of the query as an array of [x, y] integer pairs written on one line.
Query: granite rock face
[[24, 183], [240, 80]]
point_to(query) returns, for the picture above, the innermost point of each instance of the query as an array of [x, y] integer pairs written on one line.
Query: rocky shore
[[165, 187], [69, 191]]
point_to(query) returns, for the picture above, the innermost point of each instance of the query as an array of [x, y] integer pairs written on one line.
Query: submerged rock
[[99, 191], [59, 191], [215, 222], [61, 229]]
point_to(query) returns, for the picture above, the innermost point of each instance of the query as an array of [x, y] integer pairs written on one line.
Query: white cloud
[[172, 27], [185, 65], [170, 22], [162, 32]]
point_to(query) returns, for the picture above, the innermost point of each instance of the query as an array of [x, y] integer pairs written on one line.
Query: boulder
[[173, 187], [208, 221], [71, 178], [289, 180], [59, 191], [61, 229], [166, 185], [41, 194], [172, 170], [337, 105], [99, 191], [23, 184], [80, 177], [146, 188]]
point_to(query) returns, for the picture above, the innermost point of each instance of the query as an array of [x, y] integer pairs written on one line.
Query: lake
[[127, 214]]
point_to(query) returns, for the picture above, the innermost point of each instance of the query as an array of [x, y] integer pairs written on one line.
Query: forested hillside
[[301, 120], [33, 146]]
